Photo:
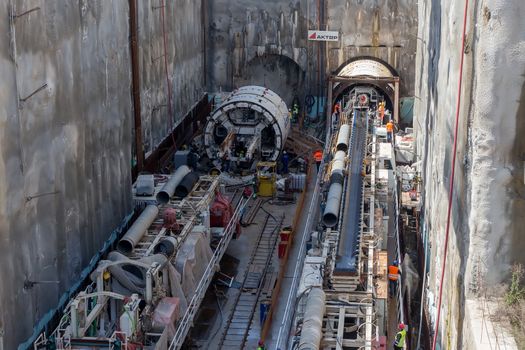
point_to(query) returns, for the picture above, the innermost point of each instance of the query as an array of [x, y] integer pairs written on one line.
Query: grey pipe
[[312, 331], [335, 192], [168, 189], [338, 167], [333, 202], [343, 138], [186, 184], [166, 246], [138, 229]]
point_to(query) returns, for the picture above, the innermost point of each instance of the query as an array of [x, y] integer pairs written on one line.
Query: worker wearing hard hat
[[389, 131], [318, 157], [399, 342], [393, 276], [260, 345]]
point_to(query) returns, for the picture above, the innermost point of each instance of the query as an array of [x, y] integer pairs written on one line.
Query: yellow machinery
[[266, 178]]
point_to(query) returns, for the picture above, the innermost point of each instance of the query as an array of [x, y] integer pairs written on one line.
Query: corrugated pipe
[[312, 331], [185, 186], [333, 200], [138, 229], [343, 137], [168, 190]]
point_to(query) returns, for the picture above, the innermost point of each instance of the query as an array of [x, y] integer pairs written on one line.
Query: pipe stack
[[168, 190], [138, 229], [337, 176]]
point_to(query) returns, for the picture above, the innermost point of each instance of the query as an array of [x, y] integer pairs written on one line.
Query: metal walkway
[[240, 320]]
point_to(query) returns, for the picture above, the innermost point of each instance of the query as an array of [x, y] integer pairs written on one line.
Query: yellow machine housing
[[266, 177]]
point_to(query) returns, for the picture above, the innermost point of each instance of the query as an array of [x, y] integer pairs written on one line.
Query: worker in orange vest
[[389, 131], [318, 156], [393, 276]]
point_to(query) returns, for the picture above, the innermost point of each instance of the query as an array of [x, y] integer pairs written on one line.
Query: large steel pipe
[[185, 186], [333, 202], [138, 229], [168, 190], [338, 167], [335, 192], [343, 138], [312, 331], [166, 246]]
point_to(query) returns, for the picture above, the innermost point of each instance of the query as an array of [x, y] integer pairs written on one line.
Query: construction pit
[[236, 174]]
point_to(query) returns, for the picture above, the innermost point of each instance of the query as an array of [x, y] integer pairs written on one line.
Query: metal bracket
[[33, 93], [14, 16]]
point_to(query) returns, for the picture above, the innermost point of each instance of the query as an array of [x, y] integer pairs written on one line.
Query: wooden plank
[[381, 281]]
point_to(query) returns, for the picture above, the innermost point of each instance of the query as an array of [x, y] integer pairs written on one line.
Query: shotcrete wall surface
[[66, 134], [486, 228], [265, 43], [185, 55], [64, 152]]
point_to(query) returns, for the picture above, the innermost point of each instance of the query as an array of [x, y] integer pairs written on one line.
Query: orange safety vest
[[393, 273], [318, 156], [389, 127]]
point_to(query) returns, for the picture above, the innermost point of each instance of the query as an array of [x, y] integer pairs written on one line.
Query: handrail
[[187, 320]]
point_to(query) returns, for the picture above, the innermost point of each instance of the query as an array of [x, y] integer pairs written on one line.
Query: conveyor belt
[[349, 240]]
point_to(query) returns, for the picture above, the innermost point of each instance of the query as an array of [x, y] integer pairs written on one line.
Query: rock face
[[489, 195], [66, 134]]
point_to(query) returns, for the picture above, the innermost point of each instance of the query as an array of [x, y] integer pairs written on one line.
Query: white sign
[[323, 35]]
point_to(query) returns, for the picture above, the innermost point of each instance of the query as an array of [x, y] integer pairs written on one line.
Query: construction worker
[[393, 276], [381, 110], [318, 157], [399, 342], [335, 121], [285, 159], [389, 131], [337, 107], [226, 160], [295, 112], [260, 345]]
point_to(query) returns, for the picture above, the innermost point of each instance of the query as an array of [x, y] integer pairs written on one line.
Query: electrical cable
[[453, 167]]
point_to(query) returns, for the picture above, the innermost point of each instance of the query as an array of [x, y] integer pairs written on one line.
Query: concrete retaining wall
[[485, 234], [65, 152]]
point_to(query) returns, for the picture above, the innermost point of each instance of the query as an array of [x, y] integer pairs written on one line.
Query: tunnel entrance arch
[[365, 71], [278, 73], [366, 66]]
